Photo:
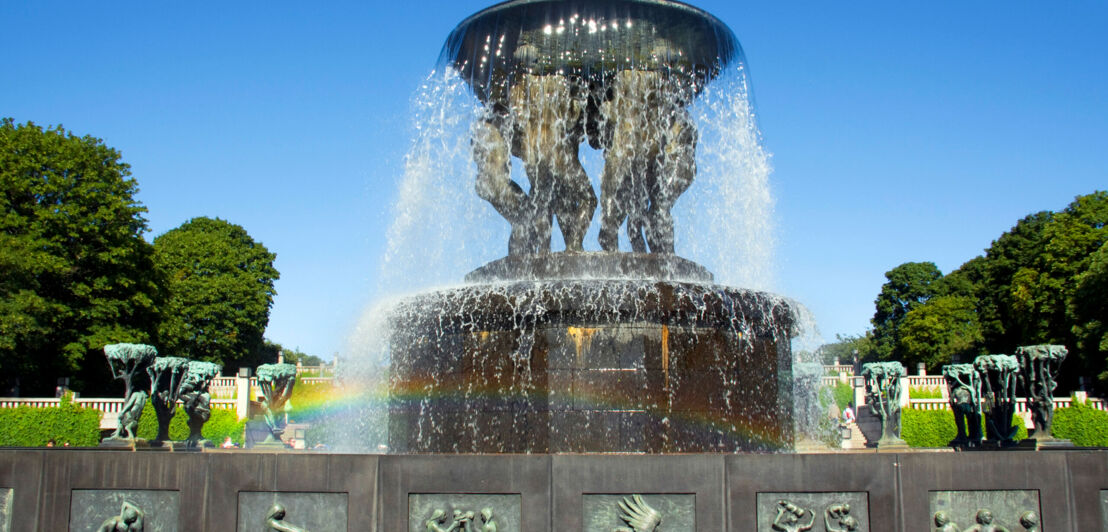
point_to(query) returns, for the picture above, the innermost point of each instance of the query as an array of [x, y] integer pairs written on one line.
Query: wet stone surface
[[591, 367]]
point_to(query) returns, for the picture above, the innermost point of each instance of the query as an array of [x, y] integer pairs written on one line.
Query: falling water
[[442, 230]]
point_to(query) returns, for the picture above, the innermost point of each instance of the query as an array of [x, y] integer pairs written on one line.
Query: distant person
[[848, 415], [51, 442], [228, 444]]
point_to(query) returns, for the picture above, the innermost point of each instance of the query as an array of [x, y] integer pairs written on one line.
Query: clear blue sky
[[901, 131]]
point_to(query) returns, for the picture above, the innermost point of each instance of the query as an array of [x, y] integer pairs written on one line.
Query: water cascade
[[594, 139]]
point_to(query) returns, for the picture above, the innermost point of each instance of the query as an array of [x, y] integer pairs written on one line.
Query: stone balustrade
[[1021, 404]]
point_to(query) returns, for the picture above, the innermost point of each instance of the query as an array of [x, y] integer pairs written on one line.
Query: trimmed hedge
[[844, 395], [27, 426], [924, 392], [222, 424], [1082, 424], [935, 428]]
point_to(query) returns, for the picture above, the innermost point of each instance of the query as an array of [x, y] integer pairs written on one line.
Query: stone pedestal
[[591, 366]]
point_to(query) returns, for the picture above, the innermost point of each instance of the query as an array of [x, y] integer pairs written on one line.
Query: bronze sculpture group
[[164, 380], [985, 390], [639, 119], [883, 394], [989, 388]]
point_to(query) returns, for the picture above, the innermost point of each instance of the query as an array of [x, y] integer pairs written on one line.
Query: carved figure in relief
[[438, 517], [638, 515], [487, 524], [789, 516], [943, 524], [462, 521], [841, 514], [1030, 521], [130, 519], [985, 523], [275, 520]]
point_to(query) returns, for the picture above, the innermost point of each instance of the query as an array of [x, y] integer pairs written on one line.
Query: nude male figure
[[649, 143], [543, 125]]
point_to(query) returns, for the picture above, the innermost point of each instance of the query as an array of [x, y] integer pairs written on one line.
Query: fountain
[[614, 344], [589, 351]]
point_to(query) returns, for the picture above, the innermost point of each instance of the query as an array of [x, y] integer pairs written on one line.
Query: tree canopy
[[1043, 281], [75, 271], [220, 283], [909, 286]]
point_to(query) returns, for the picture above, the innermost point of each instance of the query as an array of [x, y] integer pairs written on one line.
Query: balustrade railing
[[926, 381], [835, 370], [1021, 404]]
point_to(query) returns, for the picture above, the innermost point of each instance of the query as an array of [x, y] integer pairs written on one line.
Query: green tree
[[994, 273], [938, 331], [909, 285], [267, 354], [1089, 309], [1040, 282], [845, 348], [220, 285], [75, 272]]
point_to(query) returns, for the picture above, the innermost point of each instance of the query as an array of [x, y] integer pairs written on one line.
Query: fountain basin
[[591, 366]]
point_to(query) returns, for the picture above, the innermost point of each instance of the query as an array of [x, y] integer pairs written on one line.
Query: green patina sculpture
[[883, 396], [964, 392], [130, 519], [197, 400], [129, 362], [276, 382], [985, 523], [167, 374], [839, 513], [463, 521], [999, 374], [1039, 365], [638, 515], [943, 524], [1030, 521], [789, 518], [275, 520]]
